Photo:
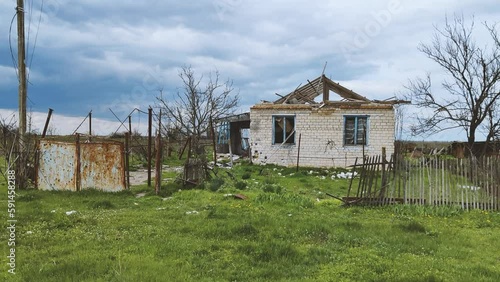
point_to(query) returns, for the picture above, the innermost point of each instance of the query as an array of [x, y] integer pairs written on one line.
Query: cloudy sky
[[94, 55]]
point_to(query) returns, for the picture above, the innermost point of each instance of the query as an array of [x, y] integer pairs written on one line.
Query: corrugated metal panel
[[101, 166]]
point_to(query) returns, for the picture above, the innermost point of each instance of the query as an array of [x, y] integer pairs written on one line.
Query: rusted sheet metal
[[57, 166], [101, 166]]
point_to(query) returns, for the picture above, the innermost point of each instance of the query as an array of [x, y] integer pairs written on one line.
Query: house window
[[283, 129], [355, 130]]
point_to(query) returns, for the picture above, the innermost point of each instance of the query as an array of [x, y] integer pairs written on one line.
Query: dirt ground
[[141, 176]]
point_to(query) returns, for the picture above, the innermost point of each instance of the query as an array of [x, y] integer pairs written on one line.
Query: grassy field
[[286, 229]]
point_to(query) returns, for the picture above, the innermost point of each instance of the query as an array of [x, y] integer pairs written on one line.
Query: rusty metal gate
[[78, 166]]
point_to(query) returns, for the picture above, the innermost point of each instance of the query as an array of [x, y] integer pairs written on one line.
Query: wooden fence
[[468, 183]]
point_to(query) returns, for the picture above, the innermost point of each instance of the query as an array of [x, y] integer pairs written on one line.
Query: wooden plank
[[421, 181], [494, 183], [407, 182], [352, 177], [458, 183], [371, 176], [443, 194], [486, 183], [298, 154], [127, 158], [430, 179], [150, 143], [383, 180], [78, 163], [361, 178], [474, 187], [158, 163]]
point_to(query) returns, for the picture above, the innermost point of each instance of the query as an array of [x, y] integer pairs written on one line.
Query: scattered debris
[[473, 188], [240, 196], [192, 212], [236, 196], [166, 199], [29, 232], [160, 209], [140, 195], [70, 212], [345, 175], [53, 211]]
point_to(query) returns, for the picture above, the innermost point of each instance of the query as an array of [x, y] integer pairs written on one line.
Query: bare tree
[[471, 84], [8, 132], [196, 103]]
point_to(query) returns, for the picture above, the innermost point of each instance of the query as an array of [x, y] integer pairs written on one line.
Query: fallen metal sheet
[[102, 166]]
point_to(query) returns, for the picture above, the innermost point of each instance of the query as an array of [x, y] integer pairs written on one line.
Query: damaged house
[[329, 133]]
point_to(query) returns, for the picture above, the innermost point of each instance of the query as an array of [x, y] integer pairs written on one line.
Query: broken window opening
[[283, 130], [223, 133], [355, 130]]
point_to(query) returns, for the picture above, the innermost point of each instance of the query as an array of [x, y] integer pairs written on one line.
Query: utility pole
[[22, 93]]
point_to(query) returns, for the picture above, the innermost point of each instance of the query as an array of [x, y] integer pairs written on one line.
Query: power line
[[30, 13], [14, 62], [36, 37]]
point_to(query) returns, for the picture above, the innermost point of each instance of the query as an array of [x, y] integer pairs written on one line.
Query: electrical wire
[[30, 13], [36, 36], [14, 62]]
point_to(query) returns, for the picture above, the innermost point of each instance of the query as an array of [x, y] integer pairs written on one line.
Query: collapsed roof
[[322, 86]]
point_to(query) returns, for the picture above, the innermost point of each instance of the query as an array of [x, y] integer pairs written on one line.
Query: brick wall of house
[[322, 130]]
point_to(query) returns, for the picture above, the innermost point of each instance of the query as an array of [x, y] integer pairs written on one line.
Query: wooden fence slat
[[444, 187], [468, 183]]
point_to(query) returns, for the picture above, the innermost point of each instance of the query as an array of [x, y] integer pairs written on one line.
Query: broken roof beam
[[305, 98], [290, 95], [344, 92], [392, 102], [315, 90], [320, 86], [326, 93]]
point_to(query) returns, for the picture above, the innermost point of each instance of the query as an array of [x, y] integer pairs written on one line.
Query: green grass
[[286, 230]]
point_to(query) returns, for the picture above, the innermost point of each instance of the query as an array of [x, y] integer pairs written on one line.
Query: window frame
[[355, 134], [285, 116]]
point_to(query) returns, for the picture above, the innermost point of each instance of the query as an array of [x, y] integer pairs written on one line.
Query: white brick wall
[[322, 136]]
